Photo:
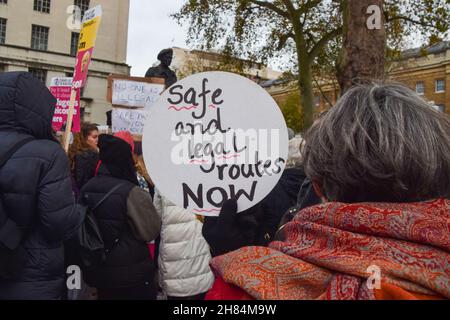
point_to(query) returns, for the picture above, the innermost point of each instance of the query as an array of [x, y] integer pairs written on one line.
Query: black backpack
[[12, 254], [87, 246]]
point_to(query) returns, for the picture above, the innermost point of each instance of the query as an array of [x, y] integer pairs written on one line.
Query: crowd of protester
[[368, 186]]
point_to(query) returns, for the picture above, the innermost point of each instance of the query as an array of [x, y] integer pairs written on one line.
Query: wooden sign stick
[[73, 97]]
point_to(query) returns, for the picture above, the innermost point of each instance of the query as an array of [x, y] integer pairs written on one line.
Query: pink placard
[[62, 94], [82, 67]]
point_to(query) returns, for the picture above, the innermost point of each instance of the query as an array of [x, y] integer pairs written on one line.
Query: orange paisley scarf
[[350, 251]]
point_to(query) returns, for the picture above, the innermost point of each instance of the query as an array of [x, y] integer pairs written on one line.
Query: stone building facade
[[187, 62], [40, 36]]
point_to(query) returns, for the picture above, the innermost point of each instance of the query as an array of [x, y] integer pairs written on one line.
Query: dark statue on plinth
[[163, 70]]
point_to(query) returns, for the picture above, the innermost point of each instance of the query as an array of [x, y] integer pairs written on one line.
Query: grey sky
[[151, 30]]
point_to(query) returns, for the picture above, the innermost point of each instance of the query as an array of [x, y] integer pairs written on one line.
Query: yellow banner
[[88, 34]]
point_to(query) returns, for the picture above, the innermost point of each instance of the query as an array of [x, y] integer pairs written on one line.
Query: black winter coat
[[35, 187], [85, 166], [128, 261], [283, 197], [258, 225]]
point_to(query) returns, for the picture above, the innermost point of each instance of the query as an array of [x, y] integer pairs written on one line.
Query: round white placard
[[214, 136]]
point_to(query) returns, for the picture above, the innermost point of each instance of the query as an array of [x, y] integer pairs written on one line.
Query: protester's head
[[89, 134], [116, 156], [26, 105], [84, 141], [380, 143], [127, 137]]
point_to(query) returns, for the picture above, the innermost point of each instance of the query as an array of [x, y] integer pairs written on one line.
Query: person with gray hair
[[380, 143], [380, 160]]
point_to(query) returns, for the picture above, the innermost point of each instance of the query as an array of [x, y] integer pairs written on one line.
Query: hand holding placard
[[230, 231]]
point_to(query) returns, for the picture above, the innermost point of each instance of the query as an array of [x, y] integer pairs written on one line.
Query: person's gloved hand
[[230, 231]]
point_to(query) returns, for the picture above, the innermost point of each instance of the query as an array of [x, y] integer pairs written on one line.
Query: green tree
[[300, 30], [291, 112]]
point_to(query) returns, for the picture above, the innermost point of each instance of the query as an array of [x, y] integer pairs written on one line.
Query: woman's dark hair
[[87, 129], [80, 144], [380, 143]]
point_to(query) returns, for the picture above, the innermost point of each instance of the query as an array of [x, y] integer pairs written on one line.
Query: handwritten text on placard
[[135, 94], [219, 136], [128, 120]]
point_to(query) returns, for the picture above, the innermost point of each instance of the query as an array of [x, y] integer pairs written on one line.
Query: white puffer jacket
[[184, 254]]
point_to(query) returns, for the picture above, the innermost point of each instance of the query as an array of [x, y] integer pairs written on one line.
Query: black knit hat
[[116, 156]]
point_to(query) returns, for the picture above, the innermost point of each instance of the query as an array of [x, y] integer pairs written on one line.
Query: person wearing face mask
[[83, 154]]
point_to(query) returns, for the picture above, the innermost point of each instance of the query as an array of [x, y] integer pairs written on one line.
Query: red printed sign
[[82, 67]]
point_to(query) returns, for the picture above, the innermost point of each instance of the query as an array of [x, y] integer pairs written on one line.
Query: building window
[[83, 5], [2, 30], [2, 68], [42, 6], [420, 88], [74, 43], [440, 86], [3, 1], [39, 37], [39, 74]]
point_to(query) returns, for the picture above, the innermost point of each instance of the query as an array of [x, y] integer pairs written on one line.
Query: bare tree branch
[[308, 6], [290, 8], [327, 37], [321, 91], [311, 38], [270, 6], [389, 19], [284, 38]]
